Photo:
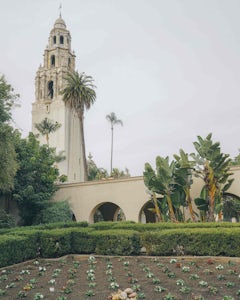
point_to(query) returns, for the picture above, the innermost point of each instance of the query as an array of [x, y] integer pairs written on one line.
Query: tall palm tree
[[112, 118], [46, 126], [79, 95]]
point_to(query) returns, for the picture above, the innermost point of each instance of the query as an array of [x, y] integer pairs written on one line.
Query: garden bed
[[76, 277]]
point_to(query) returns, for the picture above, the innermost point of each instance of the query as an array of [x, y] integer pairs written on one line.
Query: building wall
[[129, 194]]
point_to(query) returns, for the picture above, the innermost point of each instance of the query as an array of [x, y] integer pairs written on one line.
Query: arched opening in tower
[[147, 214], [107, 211], [50, 89], [53, 61], [61, 39]]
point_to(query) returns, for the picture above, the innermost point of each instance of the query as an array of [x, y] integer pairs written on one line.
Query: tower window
[[61, 39], [69, 62], [52, 60], [50, 89], [54, 39]]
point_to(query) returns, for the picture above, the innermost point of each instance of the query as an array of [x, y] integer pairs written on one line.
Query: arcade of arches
[[118, 199]]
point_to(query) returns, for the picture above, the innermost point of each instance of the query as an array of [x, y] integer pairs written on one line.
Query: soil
[[151, 277]]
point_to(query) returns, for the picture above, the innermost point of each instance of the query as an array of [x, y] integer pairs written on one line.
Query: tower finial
[[60, 10]]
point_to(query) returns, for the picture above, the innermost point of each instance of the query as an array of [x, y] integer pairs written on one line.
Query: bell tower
[[58, 60]]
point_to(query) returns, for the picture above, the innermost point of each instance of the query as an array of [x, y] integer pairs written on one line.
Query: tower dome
[[60, 23]]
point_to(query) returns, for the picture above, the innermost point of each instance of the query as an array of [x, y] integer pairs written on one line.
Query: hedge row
[[160, 226], [23, 245], [121, 239], [200, 242]]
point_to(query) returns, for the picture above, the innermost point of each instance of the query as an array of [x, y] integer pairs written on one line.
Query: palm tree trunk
[[111, 152]]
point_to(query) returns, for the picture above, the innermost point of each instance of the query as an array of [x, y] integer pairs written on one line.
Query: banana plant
[[162, 181], [184, 170], [214, 169]]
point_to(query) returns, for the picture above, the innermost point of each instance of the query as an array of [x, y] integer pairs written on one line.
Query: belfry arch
[[107, 211]]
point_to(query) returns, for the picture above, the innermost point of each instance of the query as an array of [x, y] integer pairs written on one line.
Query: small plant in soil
[[159, 289], [203, 283], [212, 289], [90, 293], [38, 296], [185, 290], [180, 282], [169, 296], [194, 276], [155, 280]]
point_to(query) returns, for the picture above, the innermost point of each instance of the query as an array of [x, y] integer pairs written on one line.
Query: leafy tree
[[214, 169], [7, 100], [46, 126], [55, 212], [8, 164], [162, 181], [112, 118], [34, 181], [95, 173], [79, 95]]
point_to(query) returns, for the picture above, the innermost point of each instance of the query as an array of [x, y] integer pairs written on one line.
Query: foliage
[[8, 164], [23, 243], [162, 181], [173, 181], [6, 220], [183, 175], [7, 100], [79, 95], [55, 212], [46, 126], [214, 168], [34, 181], [201, 242], [95, 173]]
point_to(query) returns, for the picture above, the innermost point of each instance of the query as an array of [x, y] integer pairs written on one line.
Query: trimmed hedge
[[200, 242], [82, 241], [15, 249], [55, 242], [123, 238], [117, 242]]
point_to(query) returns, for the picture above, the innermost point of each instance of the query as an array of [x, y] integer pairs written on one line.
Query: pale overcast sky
[[169, 69]]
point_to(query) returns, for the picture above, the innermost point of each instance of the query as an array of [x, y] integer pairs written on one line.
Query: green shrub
[[55, 242], [17, 248], [117, 242], [82, 241], [207, 241], [6, 220], [55, 212]]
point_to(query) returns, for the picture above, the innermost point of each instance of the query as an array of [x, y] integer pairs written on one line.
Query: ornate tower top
[[58, 61]]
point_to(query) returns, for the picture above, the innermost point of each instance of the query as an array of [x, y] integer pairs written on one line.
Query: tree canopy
[[34, 183], [8, 163]]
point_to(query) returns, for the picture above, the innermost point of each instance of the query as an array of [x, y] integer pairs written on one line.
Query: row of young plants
[[202, 278]]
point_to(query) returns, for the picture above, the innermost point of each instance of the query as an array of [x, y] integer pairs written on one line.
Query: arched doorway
[[107, 211], [146, 214]]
